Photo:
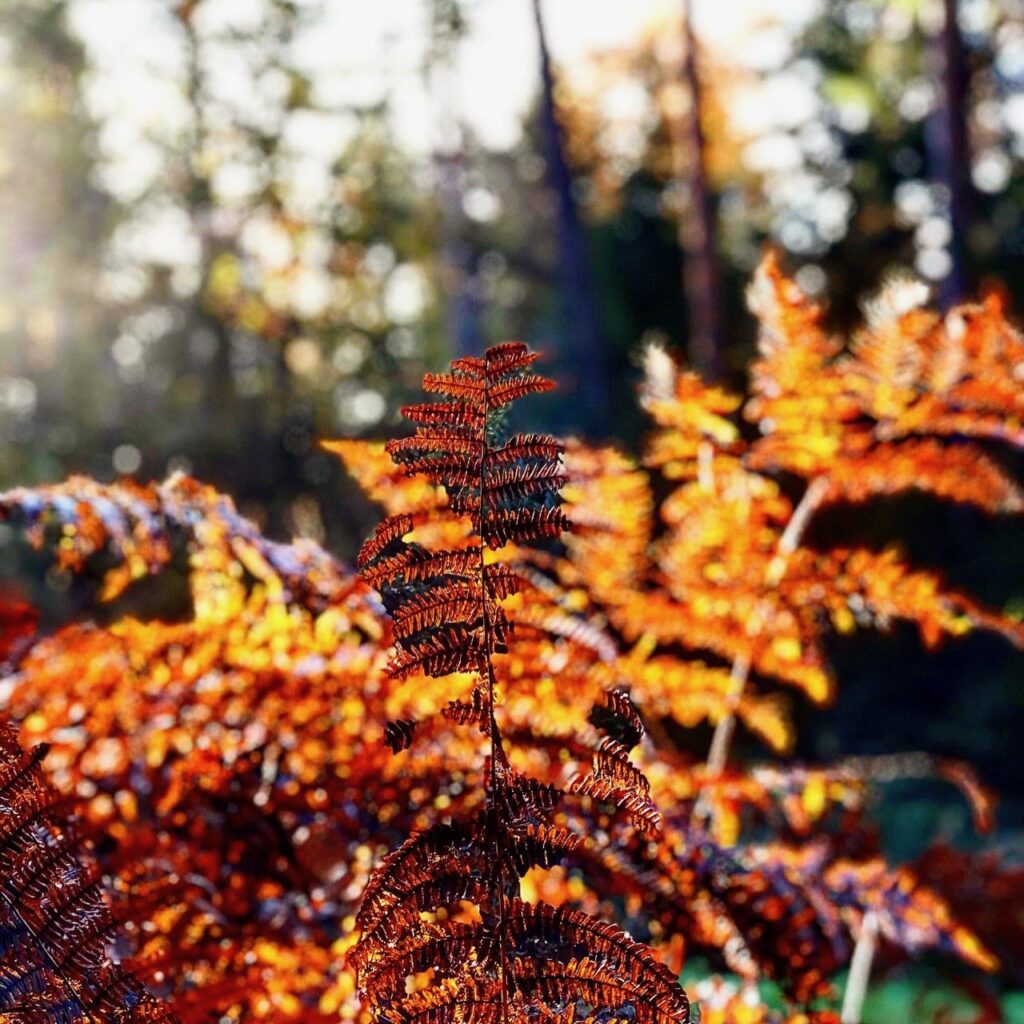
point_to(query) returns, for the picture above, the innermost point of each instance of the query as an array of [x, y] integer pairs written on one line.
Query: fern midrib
[[495, 737]]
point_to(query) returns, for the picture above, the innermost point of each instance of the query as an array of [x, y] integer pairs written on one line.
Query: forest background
[[228, 230]]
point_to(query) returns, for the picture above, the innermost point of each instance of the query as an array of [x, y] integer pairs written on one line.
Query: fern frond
[[454, 847], [911, 916], [909, 383], [501, 526], [413, 564], [506, 358], [55, 923], [468, 386], [949, 471], [615, 779], [527, 446], [388, 532], [599, 963], [442, 908], [477, 711], [617, 717], [436, 606], [399, 734], [453, 649], [445, 414], [538, 845], [508, 391]]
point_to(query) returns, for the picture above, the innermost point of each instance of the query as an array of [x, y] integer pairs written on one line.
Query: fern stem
[[491, 781], [721, 741], [801, 518], [860, 970]]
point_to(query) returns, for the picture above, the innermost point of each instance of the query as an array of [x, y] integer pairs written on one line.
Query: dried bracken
[[55, 920], [506, 707], [444, 909]]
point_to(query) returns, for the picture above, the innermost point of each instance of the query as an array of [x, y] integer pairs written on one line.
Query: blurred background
[[231, 227]]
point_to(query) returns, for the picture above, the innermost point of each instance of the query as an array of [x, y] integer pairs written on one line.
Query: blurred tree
[[921, 110], [950, 146], [583, 347], [698, 231], [269, 277], [830, 135], [305, 284], [460, 286], [656, 172], [51, 213], [244, 256]]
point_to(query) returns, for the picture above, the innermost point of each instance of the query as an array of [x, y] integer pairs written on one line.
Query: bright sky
[[362, 48]]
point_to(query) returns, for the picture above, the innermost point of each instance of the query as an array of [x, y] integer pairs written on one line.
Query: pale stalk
[[860, 970], [721, 741]]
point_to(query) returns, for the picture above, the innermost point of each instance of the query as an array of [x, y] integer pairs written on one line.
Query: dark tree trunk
[[458, 280], [584, 348], [457, 261], [701, 278], [949, 149]]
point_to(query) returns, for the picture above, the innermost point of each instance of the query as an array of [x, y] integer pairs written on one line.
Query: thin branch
[[498, 882]]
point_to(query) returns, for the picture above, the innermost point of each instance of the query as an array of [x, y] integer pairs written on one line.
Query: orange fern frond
[[909, 915], [882, 414]]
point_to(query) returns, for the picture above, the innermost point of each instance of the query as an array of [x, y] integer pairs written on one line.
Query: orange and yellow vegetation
[[234, 769]]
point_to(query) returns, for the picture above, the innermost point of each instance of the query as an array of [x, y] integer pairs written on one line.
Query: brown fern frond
[[526, 954], [388, 531], [503, 526], [453, 446], [456, 847], [445, 414], [515, 480], [439, 605], [950, 471], [477, 711], [445, 457], [506, 358], [618, 718], [143, 528], [508, 391], [55, 923], [399, 734], [442, 909], [415, 564], [455, 649], [885, 414], [533, 845], [446, 948], [635, 992], [598, 959], [468, 386], [615, 779], [469, 999], [527, 446], [911, 916]]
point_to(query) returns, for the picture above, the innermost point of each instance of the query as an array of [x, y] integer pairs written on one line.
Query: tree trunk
[[701, 279], [584, 349], [949, 149], [458, 280]]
